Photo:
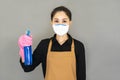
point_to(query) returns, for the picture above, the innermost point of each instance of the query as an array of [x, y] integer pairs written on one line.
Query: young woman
[[62, 57]]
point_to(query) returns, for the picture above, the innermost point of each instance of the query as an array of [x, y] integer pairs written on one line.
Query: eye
[[64, 21], [56, 21]]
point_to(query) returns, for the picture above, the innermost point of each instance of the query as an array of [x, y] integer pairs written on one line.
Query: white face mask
[[60, 29]]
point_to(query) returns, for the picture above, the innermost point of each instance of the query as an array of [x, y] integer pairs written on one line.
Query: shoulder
[[78, 43], [79, 48], [44, 42]]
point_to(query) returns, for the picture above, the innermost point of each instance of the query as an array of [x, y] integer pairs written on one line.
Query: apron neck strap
[[50, 44], [72, 46]]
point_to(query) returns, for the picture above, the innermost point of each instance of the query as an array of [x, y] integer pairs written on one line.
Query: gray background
[[95, 22]]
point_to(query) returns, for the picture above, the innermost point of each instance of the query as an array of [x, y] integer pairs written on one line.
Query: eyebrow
[[63, 18]]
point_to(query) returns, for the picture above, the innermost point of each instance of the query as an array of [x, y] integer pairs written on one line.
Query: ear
[[70, 23], [51, 23]]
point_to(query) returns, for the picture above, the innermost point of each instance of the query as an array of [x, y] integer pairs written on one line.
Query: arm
[[37, 58], [80, 60]]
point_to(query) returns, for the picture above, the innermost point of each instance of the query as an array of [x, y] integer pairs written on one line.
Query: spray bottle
[[28, 52]]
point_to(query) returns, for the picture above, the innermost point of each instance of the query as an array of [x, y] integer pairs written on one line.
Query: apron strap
[[72, 46], [50, 44]]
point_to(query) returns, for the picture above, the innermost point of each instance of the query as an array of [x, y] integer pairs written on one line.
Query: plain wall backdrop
[[96, 23]]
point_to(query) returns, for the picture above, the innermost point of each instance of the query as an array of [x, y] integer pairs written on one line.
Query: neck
[[61, 39]]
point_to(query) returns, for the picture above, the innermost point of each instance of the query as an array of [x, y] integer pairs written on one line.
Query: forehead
[[60, 15]]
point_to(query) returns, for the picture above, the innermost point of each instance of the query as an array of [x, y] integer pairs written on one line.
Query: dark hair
[[61, 8]]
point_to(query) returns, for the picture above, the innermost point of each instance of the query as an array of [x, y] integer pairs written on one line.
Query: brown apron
[[61, 65]]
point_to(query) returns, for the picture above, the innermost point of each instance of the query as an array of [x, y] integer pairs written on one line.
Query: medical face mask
[[60, 29]]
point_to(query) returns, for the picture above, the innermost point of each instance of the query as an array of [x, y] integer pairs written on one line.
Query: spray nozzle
[[28, 32]]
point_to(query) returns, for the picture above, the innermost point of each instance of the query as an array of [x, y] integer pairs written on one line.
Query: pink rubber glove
[[24, 40]]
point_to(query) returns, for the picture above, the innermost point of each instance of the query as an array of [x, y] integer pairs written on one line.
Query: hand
[[24, 40]]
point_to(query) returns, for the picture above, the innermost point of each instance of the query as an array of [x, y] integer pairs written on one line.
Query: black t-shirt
[[40, 55]]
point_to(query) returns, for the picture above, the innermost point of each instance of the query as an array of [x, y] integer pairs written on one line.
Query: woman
[[62, 57]]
